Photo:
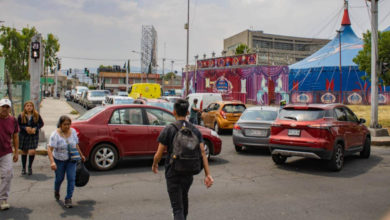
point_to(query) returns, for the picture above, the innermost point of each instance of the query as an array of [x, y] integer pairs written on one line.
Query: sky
[[95, 32]]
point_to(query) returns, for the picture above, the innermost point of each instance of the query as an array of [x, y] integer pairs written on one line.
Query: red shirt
[[8, 127]]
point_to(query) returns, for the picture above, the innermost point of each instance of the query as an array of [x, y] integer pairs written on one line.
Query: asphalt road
[[247, 186]]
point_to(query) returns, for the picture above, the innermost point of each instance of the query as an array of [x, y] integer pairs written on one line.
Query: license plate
[[256, 132], [294, 132]]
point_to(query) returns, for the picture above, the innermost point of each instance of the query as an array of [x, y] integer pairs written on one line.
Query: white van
[[204, 99], [79, 90]]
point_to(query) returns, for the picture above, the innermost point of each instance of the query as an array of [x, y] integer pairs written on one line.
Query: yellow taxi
[[222, 115]]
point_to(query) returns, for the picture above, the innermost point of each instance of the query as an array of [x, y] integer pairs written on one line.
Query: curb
[[380, 143]]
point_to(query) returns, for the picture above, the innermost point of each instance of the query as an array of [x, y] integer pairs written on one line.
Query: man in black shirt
[[178, 185]]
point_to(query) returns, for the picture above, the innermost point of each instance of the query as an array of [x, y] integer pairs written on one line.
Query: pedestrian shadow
[[82, 209], [15, 213], [353, 166], [37, 177], [216, 161]]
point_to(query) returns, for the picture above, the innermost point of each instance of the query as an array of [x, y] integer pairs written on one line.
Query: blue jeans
[[70, 169]]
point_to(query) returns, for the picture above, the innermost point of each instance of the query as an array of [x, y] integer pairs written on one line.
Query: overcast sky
[[106, 31]]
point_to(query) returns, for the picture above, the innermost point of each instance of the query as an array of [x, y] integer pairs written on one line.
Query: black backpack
[[186, 156]]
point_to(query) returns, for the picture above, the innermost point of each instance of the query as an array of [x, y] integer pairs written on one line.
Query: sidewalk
[[51, 110]]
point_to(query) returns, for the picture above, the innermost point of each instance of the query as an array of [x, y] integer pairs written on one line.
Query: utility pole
[[374, 64], [127, 75], [187, 26], [172, 61], [35, 68], [56, 78], [163, 70], [196, 71], [341, 75]]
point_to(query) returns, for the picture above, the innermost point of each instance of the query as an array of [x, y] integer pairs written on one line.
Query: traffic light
[[35, 50], [70, 70], [86, 71], [59, 65]]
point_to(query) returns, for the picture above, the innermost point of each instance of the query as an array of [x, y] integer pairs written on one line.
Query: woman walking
[[62, 140], [30, 122]]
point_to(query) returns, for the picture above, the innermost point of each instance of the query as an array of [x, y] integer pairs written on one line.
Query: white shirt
[[60, 151]]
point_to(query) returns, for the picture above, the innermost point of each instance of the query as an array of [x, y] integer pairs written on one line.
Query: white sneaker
[[4, 205]]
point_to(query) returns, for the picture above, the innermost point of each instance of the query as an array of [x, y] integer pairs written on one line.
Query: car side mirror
[[362, 121]]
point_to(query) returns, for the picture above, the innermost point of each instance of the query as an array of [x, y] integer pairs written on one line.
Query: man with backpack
[[186, 157]]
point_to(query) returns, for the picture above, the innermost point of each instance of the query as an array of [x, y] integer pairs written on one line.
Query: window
[[350, 115], [259, 115], [159, 117], [283, 46], [301, 115], [233, 108], [127, 116], [107, 80], [122, 80], [151, 81], [89, 114], [340, 114]]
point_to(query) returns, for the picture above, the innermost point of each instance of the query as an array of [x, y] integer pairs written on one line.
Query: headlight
[[214, 133]]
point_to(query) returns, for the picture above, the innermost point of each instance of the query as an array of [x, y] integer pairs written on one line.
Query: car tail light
[[201, 105], [223, 114], [236, 127], [320, 126]]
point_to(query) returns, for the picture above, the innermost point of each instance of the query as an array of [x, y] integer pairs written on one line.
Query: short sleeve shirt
[[8, 127], [166, 138], [192, 112], [60, 144]]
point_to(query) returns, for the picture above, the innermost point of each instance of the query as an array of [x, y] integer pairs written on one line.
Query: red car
[[109, 133], [321, 131]]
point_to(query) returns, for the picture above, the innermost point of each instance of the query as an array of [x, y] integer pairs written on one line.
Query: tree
[[241, 49], [363, 59], [169, 76], [51, 48], [16, 46]]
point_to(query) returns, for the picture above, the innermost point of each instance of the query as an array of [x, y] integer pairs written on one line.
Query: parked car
[[108, 133], [82, 98], [252, 130], [222, 115], [79, 90], [94, 98], [204, 99], [67, 95], [122, 93], [322, 131], [73, 94], [117, 100], [156, 102]]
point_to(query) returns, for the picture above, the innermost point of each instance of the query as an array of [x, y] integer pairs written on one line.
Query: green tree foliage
[[169, 76], [16, 48], [51, 48], [363, 59], [241, 49]]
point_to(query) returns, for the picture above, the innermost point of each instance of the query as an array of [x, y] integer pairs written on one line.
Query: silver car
[[252, 130]]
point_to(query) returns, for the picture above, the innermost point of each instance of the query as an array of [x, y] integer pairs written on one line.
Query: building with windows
[[274, 49]]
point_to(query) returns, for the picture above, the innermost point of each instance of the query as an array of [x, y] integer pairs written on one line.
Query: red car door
[[344, 127], [156, 120], [356, 128], [127, 127]]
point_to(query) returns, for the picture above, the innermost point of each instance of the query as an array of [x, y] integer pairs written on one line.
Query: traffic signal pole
[[35, 68]]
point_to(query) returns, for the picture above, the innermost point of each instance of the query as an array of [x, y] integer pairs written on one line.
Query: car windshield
[[259, 115], [166, 105], [98, 93], [89, 114], [301, 115], [234, 108], [124, 101]]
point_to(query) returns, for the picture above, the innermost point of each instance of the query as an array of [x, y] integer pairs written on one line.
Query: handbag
[[74, 154], [82, 174]]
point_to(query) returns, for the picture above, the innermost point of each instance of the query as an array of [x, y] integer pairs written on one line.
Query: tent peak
[[346, 20]]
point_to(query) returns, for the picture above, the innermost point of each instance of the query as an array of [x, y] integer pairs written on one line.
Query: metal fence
[[20, 94]]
